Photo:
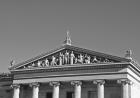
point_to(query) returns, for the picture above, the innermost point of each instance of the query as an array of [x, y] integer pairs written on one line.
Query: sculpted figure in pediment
[[43, 64], [80, 59], [67, 57], [106, 60], [94, 60], [87, 60], [39, 63], [60, 58], [72, 56], [30, 65], [75, 60], [33, 65], [53, 62], [46, 62], [63, 58]]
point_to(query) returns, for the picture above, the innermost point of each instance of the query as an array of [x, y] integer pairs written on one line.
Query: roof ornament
[[12, 63], [128, 54], [68, 39]]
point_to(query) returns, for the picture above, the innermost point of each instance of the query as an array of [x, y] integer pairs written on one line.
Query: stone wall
[[5, 93]]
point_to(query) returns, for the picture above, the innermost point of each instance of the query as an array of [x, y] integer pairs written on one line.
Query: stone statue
[[33, 65], [46, 62], [75, 60], [12, 63], [94, 60], [57, 61], [29, 66], [106, 60], [63, 58], [43, 64], [80, 59], [87, 61], [67, 57], [53, 62], [60, 58], [72, 56], [128, 54], [85, 58], [39, 63]]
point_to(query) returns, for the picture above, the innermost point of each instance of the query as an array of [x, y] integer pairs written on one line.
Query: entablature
[[75, 67]]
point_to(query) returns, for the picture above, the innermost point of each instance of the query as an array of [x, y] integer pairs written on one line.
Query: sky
[[29, 28]]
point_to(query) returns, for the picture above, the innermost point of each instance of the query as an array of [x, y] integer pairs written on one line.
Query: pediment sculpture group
[[67, 57]]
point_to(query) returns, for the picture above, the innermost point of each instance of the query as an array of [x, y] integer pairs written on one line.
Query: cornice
[[134, 69], [71, 68], [135, 65]]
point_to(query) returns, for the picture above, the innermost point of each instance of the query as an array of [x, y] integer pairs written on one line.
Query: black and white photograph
[[69, 49]]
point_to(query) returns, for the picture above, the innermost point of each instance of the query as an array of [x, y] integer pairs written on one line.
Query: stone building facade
[[73, 72]]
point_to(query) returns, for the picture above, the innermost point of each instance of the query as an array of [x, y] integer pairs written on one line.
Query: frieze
[[67, 57]]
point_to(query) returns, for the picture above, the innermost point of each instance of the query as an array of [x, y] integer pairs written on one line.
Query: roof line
[[37, 57], [67, 47], [101, 54]]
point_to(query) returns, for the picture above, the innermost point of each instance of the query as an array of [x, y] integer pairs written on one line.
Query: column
[[35, 87], [55, 89], [100, 88], [77, 90], [16, 88], [125, 87]]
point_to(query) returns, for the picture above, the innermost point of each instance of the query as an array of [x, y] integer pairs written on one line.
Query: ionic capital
[[34, 84], [101, 82], [124, 81], [16, 86], [76, 83], [54, 83]]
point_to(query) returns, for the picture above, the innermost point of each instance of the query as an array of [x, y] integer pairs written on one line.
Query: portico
[[98, 85]]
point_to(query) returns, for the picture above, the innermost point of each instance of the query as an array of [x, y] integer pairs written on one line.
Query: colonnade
[[77, 88]]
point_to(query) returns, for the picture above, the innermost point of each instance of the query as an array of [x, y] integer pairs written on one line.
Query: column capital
[[77, 83], [124, 81], [15, 86], [101, 82], [54, 83], [34, 84]]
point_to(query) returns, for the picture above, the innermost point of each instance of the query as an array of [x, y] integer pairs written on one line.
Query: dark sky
[[31, 27]]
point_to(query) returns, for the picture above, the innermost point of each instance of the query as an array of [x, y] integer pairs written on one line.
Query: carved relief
[[68, 57]]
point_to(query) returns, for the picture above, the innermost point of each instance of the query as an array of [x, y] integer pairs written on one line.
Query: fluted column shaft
[[55, 89], [77, 90], [16, 88], [35, 87], [100, 88], [125, 87]]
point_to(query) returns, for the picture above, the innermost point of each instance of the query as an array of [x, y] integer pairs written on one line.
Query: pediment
[[68, 55]]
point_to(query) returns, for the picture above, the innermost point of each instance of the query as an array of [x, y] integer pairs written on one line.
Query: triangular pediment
[[68, 55]]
